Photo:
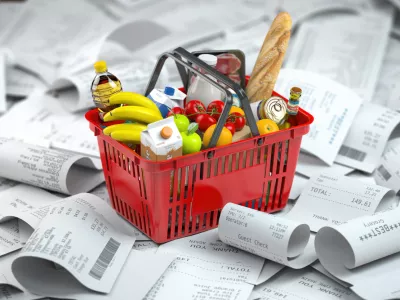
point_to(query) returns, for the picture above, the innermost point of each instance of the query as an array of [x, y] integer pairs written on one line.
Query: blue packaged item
[[175, 95], [169, 91], [162, 101]]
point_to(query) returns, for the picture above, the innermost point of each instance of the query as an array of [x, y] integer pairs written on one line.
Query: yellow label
[[104, 91]]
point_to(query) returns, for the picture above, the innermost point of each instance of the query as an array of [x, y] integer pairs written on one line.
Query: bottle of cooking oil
[[104, 85]]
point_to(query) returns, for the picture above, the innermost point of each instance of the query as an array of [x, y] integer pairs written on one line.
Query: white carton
[[163, 102], [177, 97], [161, 140]]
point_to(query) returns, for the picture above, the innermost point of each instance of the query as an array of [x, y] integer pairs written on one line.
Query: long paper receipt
[[50, 169], [368, 136], [284, 241], [85, 237], [330, 199], [328, 101], [21, 203], [304, 284], [365, 253], [388, 172], [206, 267]]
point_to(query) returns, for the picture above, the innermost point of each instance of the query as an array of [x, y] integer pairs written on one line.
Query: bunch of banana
[[138, 109]]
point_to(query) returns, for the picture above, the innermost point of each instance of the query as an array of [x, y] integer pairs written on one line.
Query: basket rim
[[95, 125]]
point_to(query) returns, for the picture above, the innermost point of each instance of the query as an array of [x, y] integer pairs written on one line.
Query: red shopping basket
[[184, 196]]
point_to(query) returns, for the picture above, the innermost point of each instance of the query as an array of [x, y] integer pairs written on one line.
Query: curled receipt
[[284, 241], [365, 252], [53, 170]]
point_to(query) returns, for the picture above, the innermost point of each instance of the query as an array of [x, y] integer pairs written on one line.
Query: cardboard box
[[163, 102], [161, 140]]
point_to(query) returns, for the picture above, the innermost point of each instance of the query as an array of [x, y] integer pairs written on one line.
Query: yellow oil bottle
[[103, 86]]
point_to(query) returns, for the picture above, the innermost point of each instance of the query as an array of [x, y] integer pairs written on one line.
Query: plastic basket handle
[[238, 53], [177, 55]]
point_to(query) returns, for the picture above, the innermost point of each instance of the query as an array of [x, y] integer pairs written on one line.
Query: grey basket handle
[[177, 55], [236, 52]]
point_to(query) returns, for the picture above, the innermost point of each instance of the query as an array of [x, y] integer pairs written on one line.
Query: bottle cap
[[209, 59], [166, 132], [295, 92], [170, 91], [100, 66]]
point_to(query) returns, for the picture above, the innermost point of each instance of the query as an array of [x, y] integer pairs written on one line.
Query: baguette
[[270, 59]]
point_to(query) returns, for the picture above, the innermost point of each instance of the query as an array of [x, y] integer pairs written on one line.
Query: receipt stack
[[338, 237]]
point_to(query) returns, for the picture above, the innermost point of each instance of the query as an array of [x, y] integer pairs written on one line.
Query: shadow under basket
[[184, 196]]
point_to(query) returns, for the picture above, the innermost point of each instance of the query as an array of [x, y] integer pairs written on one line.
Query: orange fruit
[[266, 126], [236, 109], [224, 139]]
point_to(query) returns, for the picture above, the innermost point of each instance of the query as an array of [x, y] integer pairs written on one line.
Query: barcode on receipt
[[104, 259], [385, 173], [352, 153]]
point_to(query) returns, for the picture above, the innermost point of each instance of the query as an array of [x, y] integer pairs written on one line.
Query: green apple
[[191, 140], [182, 122]]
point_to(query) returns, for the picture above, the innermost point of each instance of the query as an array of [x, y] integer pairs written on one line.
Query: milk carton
[[161, 140], [177, 97], [163, 102]]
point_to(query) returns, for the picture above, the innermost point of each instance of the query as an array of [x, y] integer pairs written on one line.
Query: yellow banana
[[133, 99], [133, 113], [126, 136], [122, 127]]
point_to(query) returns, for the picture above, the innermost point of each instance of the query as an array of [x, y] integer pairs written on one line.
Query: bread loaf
[[270, 59]]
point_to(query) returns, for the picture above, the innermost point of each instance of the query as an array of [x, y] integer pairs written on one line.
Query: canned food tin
[[274, 108]]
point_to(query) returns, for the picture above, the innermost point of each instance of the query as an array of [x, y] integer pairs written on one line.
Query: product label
[[102, 93]]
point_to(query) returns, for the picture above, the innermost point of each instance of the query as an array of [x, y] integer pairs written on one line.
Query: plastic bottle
[[104, 85], [201, 89]]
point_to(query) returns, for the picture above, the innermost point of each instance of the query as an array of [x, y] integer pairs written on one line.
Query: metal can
[[274, 108]]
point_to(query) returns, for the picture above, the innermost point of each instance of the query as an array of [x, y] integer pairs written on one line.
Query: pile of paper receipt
[[337, 238]]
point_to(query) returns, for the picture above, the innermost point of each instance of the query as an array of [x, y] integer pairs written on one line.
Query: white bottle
[[201, 89]]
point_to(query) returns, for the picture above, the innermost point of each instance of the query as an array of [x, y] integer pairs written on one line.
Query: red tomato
[[231, 127], [194, 108], [205, 121], [237, 119], [215, 108], [176, 111]]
